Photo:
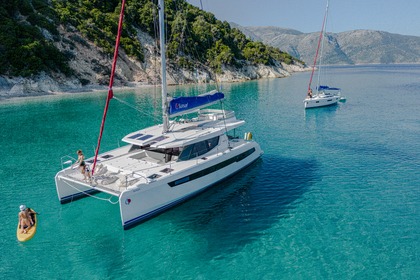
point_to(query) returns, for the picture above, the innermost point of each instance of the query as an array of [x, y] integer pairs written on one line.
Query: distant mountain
[[351, 47]]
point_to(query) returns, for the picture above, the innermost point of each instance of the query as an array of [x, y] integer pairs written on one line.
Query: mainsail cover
[[185, 105], [327, 88]]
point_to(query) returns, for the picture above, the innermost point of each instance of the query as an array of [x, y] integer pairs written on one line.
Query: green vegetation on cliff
[[24, 49], [28, 30], [194, 34], [98, 21]]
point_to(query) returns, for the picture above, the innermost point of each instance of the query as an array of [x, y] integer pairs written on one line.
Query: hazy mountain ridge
[[350, 47]]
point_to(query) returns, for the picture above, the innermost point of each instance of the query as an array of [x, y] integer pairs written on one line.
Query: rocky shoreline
[[43, 84], [92, 70]]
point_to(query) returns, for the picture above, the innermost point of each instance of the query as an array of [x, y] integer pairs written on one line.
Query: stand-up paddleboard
[[30, 233]]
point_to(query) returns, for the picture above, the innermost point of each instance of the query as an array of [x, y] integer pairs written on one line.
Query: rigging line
[[133, 107], [217, 84], [111, 82], [224, 116], [179, 11], [193, 53]]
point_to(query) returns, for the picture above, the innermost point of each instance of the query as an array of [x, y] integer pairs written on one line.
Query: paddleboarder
[[25, 219]]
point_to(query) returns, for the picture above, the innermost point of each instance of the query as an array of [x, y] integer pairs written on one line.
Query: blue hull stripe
[[76, 196]]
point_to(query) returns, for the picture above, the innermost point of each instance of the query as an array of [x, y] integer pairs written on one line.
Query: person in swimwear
[[25, 219], [82, 165], [310, 93]]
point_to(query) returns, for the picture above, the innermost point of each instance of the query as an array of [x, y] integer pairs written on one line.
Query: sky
[[393, 16]]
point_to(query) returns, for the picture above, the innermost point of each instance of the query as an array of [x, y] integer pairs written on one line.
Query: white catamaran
[[324, 95], [166, 164]]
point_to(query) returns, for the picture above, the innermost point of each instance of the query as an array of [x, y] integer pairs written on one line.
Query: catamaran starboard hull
[[145, 202]]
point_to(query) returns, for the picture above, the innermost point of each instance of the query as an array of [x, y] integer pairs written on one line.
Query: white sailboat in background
[[163, 165], [324, 95]]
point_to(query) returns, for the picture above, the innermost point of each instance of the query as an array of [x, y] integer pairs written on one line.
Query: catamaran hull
[[147, 201], [70, 190], [320, 102]]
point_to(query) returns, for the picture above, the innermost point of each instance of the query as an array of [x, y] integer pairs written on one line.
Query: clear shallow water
[[335, 196]]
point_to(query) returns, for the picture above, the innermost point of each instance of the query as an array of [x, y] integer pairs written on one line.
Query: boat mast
[[319, 44], [163, 65], [111, 82], [324, 26]]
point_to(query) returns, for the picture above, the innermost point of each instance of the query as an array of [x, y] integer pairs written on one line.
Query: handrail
[[140, 177], [67, 160]]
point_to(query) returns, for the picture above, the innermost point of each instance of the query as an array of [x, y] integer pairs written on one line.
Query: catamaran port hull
[[71, 190]]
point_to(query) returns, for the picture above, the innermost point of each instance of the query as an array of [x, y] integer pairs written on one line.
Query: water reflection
[[238, 210]]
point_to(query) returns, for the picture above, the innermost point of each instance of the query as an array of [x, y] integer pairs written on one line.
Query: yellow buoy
[[248, 136]]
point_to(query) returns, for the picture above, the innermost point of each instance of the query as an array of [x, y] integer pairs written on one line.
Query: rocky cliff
[[61, 46], [92, 69]]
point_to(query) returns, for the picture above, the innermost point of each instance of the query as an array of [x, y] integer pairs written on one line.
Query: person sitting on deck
[[310, 93], [25, 218]]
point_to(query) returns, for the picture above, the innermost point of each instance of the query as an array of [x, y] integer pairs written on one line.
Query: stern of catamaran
[[70, 189], [71, 184]]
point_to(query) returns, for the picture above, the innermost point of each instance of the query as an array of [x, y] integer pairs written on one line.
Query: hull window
[[198, 149], [211, 169]]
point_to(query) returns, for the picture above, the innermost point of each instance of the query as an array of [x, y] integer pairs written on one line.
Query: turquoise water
[[335, 196]]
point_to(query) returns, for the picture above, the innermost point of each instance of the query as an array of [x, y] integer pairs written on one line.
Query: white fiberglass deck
[[121, 169]]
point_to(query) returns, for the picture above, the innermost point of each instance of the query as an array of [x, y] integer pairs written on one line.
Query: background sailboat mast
[[163, 65], [324, 26], [319, 44]]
